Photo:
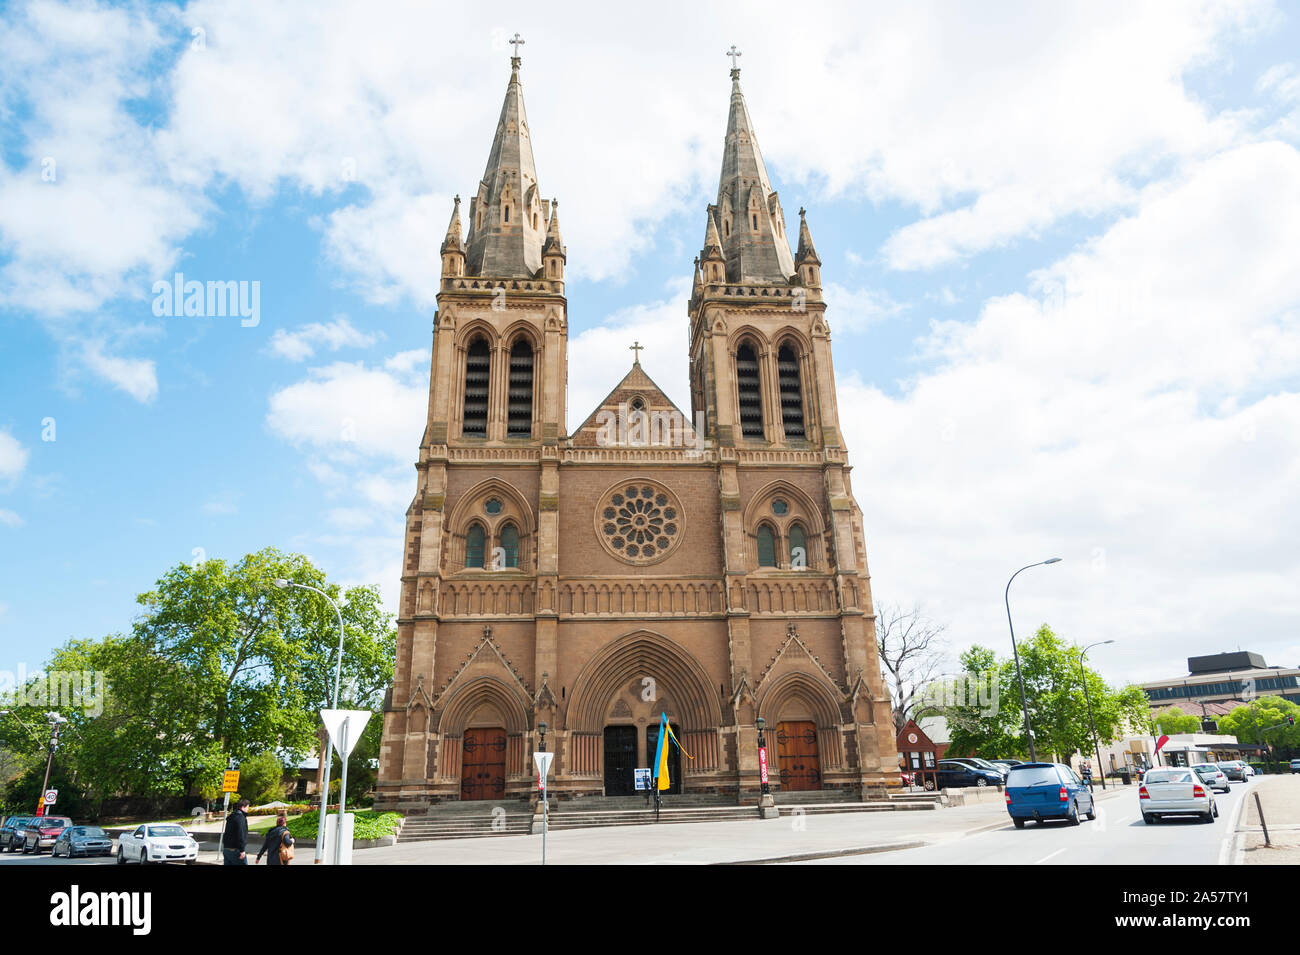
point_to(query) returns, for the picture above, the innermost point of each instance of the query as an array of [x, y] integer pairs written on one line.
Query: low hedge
[[368, 825]]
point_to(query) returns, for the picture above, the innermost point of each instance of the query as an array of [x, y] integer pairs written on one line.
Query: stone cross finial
[[733, 53], [636, 348], [516, 41]]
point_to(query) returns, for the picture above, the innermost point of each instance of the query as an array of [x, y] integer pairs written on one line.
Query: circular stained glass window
[[638, 523], [493, 505], [779, 506]]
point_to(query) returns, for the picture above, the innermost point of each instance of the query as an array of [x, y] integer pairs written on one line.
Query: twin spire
[[511, 228]]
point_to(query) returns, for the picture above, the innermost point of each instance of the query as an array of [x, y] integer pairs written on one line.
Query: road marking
[[1232, 850], [1122, 819], [1046, 857]]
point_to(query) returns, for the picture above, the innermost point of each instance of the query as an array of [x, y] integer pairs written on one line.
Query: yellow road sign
[[230, 782]]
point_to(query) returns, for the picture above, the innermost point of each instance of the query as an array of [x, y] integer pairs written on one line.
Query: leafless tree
[[912, 653]]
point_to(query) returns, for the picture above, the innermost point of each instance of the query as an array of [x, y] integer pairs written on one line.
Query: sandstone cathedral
[[562, 589]]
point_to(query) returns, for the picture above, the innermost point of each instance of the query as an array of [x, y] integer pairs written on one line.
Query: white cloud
[[301, 343], [10, 518], [853, 310], [13, 456], [1139, 415], [344, 408], [138, 377]]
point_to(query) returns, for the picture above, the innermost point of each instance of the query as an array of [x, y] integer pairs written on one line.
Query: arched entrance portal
[[483, 763], [620, 760]]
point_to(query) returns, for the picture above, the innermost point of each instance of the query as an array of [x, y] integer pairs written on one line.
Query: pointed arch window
[[505, 211], [478, 371], [798, 548], [475, 544], [787, 368], [508, 541], [519, 417], [747, 389], [766, 546]]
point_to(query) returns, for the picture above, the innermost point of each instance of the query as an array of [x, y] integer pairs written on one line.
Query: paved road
[[1118, 836]]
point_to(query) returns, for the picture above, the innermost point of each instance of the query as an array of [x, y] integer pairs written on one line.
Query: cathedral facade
[[562, 590]]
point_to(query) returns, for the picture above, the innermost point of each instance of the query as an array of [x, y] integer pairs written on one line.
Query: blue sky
[[1059, 245]]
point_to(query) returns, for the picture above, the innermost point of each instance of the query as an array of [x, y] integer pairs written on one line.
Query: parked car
[[1237, 769], [1007, 764], [954, 774], [976, 763], [11, 832], [1175, 792], [1212, 776], [163, 842], [41, 832], [82, 841], [1042, 791], [1295, 766]]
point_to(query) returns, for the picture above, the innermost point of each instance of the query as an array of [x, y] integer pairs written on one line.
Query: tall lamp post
[[55, 720], [1024, 701], [282, 583], [1083, 678]]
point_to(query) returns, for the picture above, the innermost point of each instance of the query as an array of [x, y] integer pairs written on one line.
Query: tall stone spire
[[507, 222], [753, 226]]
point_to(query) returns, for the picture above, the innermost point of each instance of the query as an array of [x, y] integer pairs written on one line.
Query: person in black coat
[[276, 838], [234, 842]]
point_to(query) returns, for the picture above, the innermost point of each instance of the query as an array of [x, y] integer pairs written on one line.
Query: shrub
[[368, 825]]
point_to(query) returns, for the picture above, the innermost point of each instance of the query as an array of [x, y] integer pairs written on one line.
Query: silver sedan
[[1175, 792], [1213, 776]]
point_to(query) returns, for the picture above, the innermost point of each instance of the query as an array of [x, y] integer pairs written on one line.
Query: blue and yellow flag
[[661, 752]]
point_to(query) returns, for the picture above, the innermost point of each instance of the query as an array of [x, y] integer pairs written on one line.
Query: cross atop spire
[[635, 348], [516, 41], [735, 68]]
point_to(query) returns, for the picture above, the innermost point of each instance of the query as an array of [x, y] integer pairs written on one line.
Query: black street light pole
[[1024, 701], [1083, 678]]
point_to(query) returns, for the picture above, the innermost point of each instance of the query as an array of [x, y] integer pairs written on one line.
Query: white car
[[1175, 792], [157, 842], [1213, 776]]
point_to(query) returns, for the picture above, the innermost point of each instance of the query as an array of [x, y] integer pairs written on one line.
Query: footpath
[[1279, 798]]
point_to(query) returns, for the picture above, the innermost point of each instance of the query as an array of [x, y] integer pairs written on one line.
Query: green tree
[[1174, 720], [261, 659], [1249, 723], [261, 778], [1058, 710]]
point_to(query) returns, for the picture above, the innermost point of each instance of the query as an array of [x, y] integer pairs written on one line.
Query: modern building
[[561, 590], [1235, 677]]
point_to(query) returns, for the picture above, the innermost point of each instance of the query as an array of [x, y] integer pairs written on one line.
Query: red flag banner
[[1161, 742]]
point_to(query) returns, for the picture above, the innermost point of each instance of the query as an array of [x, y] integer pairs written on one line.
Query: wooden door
[[796, 749], [620, 760], [483, 764]]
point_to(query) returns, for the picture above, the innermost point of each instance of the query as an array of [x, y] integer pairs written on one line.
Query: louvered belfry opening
[[787, 369], [751, 399], [519, 418], [478, 374]]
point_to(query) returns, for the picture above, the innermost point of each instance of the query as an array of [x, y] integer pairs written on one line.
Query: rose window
[[639, 522]]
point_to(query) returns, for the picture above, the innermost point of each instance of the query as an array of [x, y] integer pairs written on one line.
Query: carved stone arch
[[523, 328], [456, 711], [677, 674], [788, 333], [738, 334], [474, 327], [801, 688], [759, 506]]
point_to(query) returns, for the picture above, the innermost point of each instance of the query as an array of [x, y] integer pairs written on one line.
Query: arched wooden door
[[483, 764], [796, 749]]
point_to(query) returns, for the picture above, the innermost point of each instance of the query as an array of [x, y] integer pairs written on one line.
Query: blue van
[[1042, 791]]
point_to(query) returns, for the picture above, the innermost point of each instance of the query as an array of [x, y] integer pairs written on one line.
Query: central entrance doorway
[[796, 748], [674, 757], [483, 764], [620, 760]]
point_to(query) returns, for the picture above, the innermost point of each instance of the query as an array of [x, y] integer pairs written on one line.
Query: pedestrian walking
[[234, 843], [278, 847], [1087, 773]]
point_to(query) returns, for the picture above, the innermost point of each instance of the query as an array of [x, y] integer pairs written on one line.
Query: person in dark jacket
[[276, 839], [235, 840]]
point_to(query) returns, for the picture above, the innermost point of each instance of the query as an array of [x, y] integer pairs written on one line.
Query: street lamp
[[1024, 701], [1083, 678], [282, 583]]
